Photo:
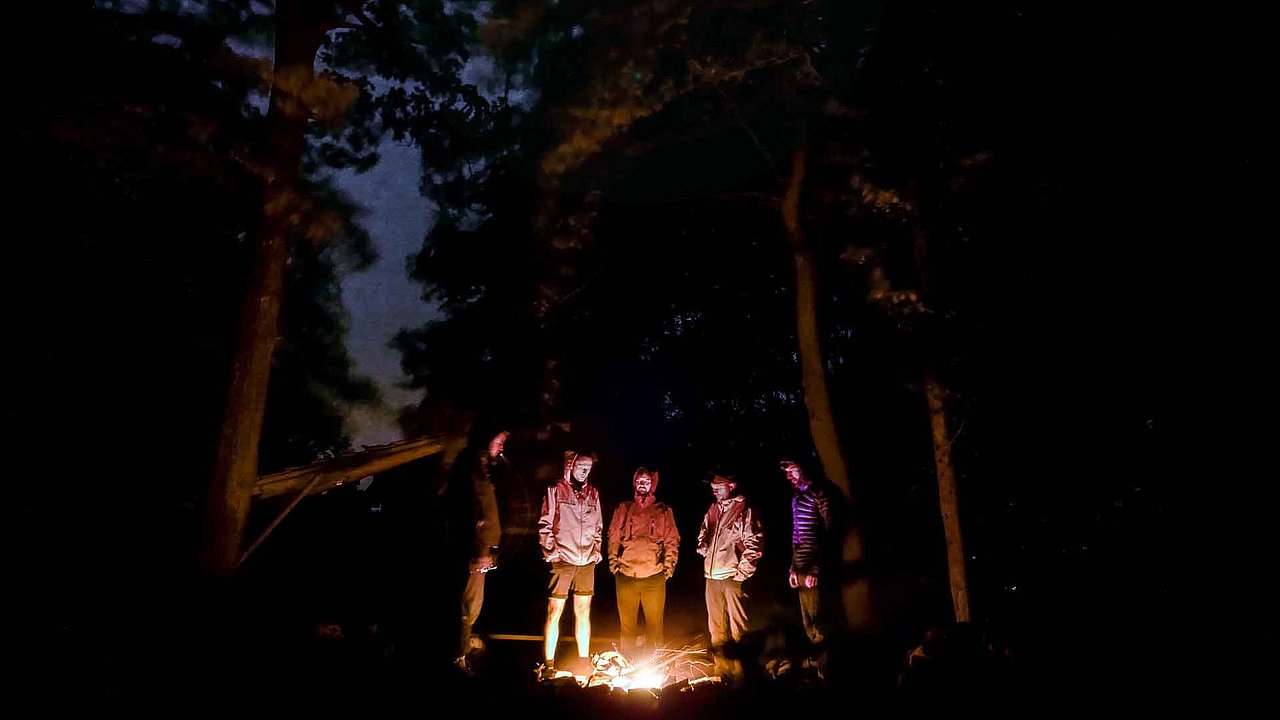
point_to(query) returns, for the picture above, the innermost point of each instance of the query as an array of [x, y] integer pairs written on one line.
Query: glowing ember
[[664, 668], [647, 678]]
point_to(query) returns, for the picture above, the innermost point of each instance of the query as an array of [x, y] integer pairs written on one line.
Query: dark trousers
[[811, 614], [635, 594]]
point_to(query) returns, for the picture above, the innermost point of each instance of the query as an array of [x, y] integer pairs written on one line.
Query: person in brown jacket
[[486, 532], [644, 546]]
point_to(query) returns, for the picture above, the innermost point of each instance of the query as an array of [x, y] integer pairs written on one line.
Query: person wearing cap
[[485, 532], [731, 544], [570, 531], [810, 541], [644, 546]]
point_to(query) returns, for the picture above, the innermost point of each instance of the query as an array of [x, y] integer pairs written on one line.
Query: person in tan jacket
[[644, 545], [570, 532], [731, 543]]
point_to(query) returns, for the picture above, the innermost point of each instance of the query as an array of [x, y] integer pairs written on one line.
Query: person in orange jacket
[[644, 546]]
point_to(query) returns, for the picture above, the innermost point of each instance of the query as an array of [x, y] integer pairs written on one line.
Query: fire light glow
[[613, 670], [647, 678]]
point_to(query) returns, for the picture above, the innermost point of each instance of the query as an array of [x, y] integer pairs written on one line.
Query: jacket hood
[[653, 479]]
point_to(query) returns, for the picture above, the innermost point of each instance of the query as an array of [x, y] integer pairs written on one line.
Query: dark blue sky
[[382, 299]]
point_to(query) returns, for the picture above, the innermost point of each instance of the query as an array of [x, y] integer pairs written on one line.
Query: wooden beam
[[327, 474], [279, 518]]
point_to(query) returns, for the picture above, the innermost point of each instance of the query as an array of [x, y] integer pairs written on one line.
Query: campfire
[[664, 669]]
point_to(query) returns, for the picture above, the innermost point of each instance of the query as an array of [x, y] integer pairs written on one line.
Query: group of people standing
[[642, 547]]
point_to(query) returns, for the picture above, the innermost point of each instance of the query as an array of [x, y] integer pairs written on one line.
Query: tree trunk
[[236, 466], [812, 364], [936, 396], [856, 590]]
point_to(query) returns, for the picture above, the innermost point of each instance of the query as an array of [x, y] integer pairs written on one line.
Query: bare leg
[[582, 623], [551, 631]]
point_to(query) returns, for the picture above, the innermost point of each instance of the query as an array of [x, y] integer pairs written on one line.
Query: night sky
[[381, 299]]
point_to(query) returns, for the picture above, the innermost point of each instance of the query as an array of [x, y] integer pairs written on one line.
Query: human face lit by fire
[[582, 468], [793, 474], [721, 488], [498, 443]]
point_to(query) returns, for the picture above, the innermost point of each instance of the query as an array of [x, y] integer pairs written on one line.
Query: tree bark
[[935, 394], [856, 588], [236, 467], [812, 364], [935, 397]]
